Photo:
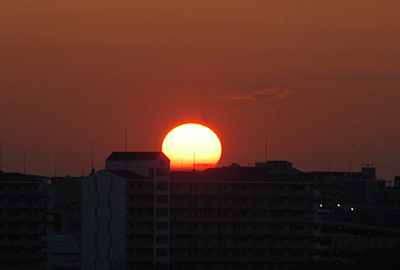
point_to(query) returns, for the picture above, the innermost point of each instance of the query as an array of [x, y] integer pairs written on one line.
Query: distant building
[[24, 221]]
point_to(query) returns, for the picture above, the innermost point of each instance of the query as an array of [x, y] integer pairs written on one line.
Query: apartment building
[[241, 218], [138, 214], [24, 221], [125, 213]]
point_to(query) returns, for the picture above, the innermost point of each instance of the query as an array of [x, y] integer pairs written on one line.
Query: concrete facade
[[103, 220]]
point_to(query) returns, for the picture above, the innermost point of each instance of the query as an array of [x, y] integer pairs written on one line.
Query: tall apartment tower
[[125, 213]]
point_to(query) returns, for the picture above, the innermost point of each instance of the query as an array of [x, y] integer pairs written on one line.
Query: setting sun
[[192, 146]]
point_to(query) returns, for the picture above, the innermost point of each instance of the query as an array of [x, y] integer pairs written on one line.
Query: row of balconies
[[41, 205], [24, 192], [139, 245], [140, 191], [194, 218], [144, 205], [22, 243], [239, 232], [242, 219], [287, 258], [22, 256], [225, 205], [240, 246], [133, 231], [287, 205], [21, 266], [138, 258], [23, 230], [22, 218], [137, 218], [263, 264], [243, 193]]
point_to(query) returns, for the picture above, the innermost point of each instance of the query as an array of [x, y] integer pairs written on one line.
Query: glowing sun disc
[[192, 146]]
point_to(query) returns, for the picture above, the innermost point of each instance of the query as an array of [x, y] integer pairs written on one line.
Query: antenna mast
[[1, 154], [126, 135], [91, 160], [55, 165], [24, 159], [194, 153], [266, 150]]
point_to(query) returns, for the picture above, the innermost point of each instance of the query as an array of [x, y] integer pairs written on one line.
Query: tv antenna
[[1, 154], [91, 160], [55, 164], [126, 135], [24, 159], [194, 153]]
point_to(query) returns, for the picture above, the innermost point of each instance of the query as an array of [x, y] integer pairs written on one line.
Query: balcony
[[143, 204], [139, 245], [24, 205], [139, 258], [138, 218], [140, 231]]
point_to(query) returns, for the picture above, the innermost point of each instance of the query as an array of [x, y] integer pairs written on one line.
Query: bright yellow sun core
[[192, 146]]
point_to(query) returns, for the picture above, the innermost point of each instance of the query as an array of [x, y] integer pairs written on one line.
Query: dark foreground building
[[227, 218], [24, 221], [137, 214]]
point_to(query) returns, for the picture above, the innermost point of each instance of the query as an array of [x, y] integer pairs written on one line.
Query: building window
[[162, 172], [162, 265], [162, 212], [161, 239], [151, 173], [162, 199], [162, 185], [161, 225]]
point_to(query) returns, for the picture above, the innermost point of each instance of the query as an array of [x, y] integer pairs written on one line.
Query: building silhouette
[[24, 221], [137, 214]]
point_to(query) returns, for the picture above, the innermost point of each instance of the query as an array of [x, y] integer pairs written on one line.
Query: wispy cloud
[[263, 95]]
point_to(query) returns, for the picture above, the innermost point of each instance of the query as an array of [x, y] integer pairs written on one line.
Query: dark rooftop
[[135, 155], [19, 177], [233, 174], [127, 174]]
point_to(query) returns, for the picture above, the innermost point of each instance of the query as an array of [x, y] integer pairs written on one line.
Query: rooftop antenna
[[55, 165], [126, 135], [24, 159], [329, 162], [266, 150], [1, 154], [91, 160], [194, 153], [349, 162]]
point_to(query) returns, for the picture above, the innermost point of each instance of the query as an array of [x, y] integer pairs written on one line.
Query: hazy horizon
[[319, 79]]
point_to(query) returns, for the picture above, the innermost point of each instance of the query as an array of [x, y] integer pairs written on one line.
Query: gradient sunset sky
[[319, 79]]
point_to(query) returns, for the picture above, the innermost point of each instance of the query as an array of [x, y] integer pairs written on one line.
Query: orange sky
[[319, 79]]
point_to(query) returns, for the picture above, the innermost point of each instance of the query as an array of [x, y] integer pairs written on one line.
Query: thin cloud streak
[[263, 95]]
